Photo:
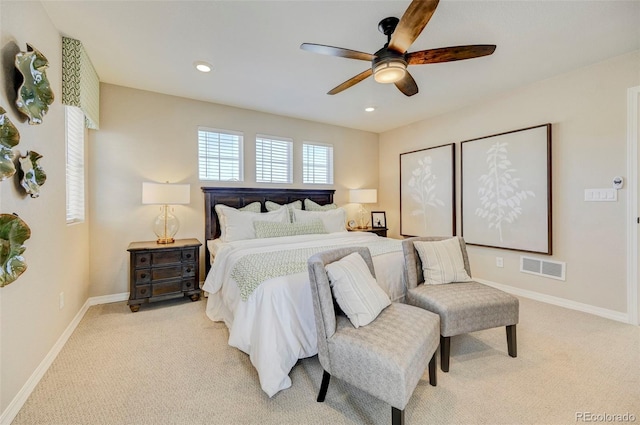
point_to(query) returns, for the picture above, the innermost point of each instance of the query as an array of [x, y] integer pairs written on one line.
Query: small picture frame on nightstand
[[378, 219]]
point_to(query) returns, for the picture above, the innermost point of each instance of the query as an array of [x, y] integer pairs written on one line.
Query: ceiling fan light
[[389, 71]]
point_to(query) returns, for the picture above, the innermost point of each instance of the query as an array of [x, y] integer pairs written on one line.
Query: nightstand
[[380, 231], [162, 271]]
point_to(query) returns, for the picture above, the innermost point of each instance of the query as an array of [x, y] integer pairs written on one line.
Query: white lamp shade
[[363, 196], [165, 193]]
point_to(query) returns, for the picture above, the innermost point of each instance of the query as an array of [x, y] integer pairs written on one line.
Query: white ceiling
[[254, 47]]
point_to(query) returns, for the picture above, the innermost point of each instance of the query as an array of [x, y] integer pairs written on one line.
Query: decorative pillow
[[238, 225], [295, 205], [309, 205], [356, 290], [442, 261], [272, 229], [333, 220]]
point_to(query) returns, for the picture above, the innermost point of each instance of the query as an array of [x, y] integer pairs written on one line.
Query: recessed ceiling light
[[370, 109], [203, 66]]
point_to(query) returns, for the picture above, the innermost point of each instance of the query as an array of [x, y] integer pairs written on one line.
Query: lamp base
[[166, 226]]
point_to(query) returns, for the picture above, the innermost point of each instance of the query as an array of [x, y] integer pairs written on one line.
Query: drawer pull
[[188, 255], [143, 260], [143, 291], [188, 270], [143, 275], [188, 284]]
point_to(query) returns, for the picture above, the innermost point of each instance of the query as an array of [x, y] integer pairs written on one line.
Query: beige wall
[[56, 254], [588, 111], [147, 136]]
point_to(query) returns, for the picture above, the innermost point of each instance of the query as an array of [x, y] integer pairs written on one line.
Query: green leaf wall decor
[[13, 232], [33, 176], [9, 137], [34, 95]]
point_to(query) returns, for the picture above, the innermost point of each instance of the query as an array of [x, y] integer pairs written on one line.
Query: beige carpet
[[169, 364]]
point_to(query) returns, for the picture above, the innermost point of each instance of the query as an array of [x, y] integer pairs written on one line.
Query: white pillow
[[295, 205], [442, 261], [333, 220], [220, 208], [238, 225], [309, 205], [356, 290]]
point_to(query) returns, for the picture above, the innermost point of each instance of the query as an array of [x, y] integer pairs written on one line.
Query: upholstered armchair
[[386, 357], [463, 306]]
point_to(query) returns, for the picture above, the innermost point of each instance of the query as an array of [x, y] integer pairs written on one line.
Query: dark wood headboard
[[239, 197]]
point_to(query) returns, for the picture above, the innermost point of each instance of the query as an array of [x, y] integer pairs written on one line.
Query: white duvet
[[276, 324]]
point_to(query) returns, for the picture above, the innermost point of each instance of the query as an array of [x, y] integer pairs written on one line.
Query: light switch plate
[[600, 195]]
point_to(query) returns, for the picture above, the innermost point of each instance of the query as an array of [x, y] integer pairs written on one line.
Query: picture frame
[[506, 190], [378, 219], [428, 192]]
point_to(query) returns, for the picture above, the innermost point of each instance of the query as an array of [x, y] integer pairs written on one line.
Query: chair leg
[[433, 374], [512, 343], [397, 416], [324, 386], [445, 351]]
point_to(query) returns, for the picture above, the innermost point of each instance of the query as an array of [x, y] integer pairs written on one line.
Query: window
[[74, 118], [273, 160], [220, 155], [317, 163]]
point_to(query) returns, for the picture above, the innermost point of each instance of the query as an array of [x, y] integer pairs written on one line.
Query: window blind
[[317, 163], [273, 160], [74, 119], [220, 155]]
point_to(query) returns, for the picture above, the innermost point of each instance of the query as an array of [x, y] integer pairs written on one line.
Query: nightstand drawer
[[167, 287], [143, 259], [166, 272], [189, 284], [166, 257], [188, 270], [143, 276], [143, 291], [189, 254]]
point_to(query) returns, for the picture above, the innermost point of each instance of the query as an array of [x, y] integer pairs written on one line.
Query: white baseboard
[[106, 299], [561, 302], [18, 401]]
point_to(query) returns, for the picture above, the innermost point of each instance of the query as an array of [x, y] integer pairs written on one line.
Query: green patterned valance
[[80, 82]]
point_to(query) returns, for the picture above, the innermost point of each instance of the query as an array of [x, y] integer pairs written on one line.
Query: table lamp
[[363, 196], [166, 225]]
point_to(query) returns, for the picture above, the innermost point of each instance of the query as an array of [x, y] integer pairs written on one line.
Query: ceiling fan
[[389, 64]]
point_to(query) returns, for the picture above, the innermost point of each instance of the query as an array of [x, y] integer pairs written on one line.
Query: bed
[[273, 321]]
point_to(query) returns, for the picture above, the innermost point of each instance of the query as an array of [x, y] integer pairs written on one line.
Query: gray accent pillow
[[309, 205]]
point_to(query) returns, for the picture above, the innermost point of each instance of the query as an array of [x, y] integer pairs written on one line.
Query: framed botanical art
[[427, 192], [506, 190]]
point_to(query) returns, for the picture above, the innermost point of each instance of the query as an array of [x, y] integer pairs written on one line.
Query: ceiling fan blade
[[407, 85], [336, 51], [411, 24], [351, 82], [449, 54]]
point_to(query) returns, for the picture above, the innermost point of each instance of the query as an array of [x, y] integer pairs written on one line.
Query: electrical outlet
[[499, 262], [61, 300]]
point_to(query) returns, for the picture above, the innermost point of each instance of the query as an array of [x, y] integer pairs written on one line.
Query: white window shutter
[[220, 155]]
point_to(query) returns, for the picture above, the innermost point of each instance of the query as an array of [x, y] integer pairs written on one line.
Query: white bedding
[[276, 324]]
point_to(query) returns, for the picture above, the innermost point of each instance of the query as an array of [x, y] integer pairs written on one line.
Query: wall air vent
[[546, 268]]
